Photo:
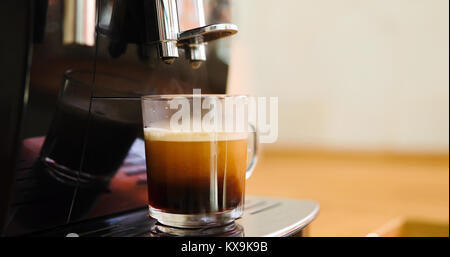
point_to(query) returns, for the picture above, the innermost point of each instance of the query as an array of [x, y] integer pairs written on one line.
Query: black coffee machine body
[[71, 76]]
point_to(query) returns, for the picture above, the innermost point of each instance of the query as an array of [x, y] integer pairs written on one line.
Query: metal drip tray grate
[[263, 217]]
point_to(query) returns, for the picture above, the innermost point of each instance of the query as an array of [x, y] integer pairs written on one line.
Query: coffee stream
[[195, 172]]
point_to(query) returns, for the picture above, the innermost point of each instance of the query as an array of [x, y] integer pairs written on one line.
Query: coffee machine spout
[[196, 51], [168, 28], [193, 41]]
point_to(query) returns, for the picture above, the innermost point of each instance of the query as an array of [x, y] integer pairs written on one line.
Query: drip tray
[[263, 217]]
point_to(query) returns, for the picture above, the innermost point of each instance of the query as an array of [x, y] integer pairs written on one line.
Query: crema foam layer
[[158, 134]]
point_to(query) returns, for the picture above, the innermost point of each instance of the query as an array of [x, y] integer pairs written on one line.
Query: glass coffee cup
[[200, 149]]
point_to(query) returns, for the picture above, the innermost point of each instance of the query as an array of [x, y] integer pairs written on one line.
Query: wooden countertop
[[358, 192]]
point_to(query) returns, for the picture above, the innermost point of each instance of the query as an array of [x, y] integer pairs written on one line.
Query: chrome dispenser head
[[208, 33], [193, 41]]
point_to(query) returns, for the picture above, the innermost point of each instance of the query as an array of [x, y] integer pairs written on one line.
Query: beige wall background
[[349, 74]]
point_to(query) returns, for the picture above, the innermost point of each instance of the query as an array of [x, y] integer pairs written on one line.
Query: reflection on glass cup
[[196, 163], [92, 130]]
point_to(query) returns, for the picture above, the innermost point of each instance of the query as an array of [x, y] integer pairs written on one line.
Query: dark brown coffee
[[192, 173]]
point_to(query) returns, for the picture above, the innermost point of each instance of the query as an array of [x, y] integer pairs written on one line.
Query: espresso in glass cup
[[197, 161]]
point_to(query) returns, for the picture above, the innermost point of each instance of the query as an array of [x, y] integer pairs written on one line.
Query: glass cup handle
[[252, 164]]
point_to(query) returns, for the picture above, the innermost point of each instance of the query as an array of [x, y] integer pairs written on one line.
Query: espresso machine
[[72, 73]]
